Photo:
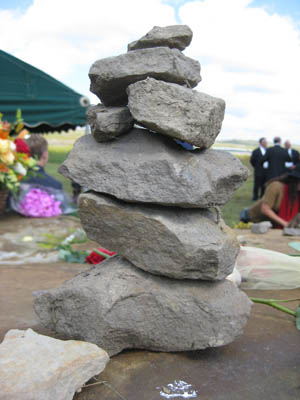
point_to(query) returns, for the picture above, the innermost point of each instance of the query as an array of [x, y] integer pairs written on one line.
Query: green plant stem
[[102, 254], [272, 303]]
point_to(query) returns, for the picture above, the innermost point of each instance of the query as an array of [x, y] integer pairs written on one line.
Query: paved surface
[[264, 363]]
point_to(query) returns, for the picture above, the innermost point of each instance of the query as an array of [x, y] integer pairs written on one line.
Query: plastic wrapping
[[267, 269], [40, 201]]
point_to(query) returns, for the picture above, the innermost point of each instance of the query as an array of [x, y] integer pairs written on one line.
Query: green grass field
[[61, 144]]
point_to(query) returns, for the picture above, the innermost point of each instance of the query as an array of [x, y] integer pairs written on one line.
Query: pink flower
[[39, 203]]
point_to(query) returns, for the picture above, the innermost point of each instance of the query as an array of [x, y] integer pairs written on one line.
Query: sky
[[249, 50]]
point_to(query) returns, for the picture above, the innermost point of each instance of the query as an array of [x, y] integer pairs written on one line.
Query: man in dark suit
[[294, 155], [276, 156], [259, 169]]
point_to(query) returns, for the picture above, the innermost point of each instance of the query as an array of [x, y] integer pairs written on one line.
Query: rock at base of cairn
[[35, 367], [109, 122], [118, 306], [111, 76], [173, 36], [176, 111], [167, 241], [145, 167]]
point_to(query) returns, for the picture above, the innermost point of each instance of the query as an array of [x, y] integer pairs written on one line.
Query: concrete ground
[[264, 363]]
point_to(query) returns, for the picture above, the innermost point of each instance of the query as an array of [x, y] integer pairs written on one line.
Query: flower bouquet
[[15, 159]]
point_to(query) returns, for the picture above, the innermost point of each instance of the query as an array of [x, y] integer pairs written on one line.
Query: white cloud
[[249, 58], [58, 36]]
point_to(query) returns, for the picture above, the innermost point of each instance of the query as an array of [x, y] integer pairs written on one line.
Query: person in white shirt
[[294, 154]]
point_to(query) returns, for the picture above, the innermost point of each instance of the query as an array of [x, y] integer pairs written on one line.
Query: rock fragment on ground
[[111, 76], [173, 36], [109, 122], [176, 111], [291, 231], [261, 227], [125, 307], [37, 367], [167, 241], [146, 167]]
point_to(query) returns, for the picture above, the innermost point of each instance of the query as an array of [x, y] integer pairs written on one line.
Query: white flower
[[18, 167], [12, 146]]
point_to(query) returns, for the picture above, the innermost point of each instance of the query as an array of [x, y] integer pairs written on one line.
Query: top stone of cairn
[[173, 36]]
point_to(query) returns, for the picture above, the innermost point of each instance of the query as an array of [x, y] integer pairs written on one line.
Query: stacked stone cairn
[[152, 202]]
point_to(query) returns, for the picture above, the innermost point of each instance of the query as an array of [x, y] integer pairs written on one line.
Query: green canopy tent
[[47, 105]]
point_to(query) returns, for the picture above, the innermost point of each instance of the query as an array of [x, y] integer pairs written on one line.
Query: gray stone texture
[[169, 241], [173, 36], [143, 166], [38, 367], [261, 227], [109, 122], [176, 111], [111, 76], [118, 306], [291, 231]]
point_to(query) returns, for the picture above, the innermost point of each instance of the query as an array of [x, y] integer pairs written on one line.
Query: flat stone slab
[[111, 76], [118, 306], [146, 167], [109, 122], [178, 243], [261, 227], [291, 231], [35, 367], [173, 36], [176, 111]]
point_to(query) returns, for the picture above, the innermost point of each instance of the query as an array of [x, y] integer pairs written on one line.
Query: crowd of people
[[276, 188]]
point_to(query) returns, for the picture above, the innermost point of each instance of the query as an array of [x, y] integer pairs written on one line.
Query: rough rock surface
[[143, 166], [176, 111], [124, 307], [111, 76], [109, 122], [261, 227], [169, 241], [291, 231], [35, 367], [173, 36]]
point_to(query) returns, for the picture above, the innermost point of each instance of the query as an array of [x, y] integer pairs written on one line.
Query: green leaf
[[298, 318]]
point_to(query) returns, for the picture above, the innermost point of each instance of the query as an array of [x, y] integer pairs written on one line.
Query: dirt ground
[[263, 363]]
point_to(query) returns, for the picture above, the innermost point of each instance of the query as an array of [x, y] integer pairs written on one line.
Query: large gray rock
[[143, 166], [176, 111], [118, 306], [111, 76], [173, 36], [35, 367], [109, 122], [178, 243]]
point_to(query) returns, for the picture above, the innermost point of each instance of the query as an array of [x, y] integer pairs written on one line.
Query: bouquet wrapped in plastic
[[41, 201]]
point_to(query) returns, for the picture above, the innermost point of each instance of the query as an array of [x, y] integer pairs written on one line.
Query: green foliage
[[298, 318], [241, 198]]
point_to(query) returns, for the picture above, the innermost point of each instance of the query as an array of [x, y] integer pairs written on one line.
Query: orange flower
[[3, 134], [3, 168]]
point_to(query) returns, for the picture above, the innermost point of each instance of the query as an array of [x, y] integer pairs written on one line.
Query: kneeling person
[[280, 203]]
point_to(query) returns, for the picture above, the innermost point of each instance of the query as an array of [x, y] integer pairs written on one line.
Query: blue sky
[[249, 51]]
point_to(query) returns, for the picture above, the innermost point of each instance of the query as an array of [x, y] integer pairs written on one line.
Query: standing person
[[277, 156], [294, 155], [259, 169]]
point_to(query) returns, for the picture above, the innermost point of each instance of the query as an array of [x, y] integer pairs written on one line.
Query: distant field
[[61, 144]]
